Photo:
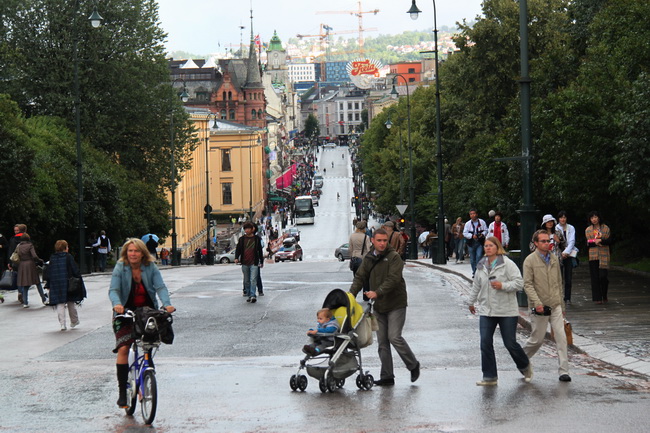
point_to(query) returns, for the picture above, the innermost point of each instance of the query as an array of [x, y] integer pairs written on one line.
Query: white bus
[[304, 210]]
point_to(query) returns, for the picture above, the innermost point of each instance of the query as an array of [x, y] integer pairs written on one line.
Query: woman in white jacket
[[495, 286]]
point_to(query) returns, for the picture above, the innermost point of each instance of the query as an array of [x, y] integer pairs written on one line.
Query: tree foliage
[[311, 126], [126, 104], [589, 65]]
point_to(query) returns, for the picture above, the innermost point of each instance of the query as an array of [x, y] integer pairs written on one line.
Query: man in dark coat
[[249, 253], [382, 267], [151, 246]]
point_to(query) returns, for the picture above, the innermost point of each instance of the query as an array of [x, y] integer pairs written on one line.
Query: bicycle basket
[[153, 325]]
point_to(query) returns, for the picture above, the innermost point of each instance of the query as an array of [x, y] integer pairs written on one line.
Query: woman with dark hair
[[135, 283], [598, 241], [59, 270], [27, 272], [495, 286], [558, 242], [568, 258]]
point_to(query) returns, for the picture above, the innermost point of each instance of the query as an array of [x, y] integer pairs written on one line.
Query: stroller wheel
[[360, 381], [331, 384], [322, 385], [302, 382], [368, 381], [340, 383], [293, 383]]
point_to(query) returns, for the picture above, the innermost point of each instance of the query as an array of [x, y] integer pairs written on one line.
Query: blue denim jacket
[[120, 288]]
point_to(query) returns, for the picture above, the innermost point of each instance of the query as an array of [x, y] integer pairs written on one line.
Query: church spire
[[253, 74]]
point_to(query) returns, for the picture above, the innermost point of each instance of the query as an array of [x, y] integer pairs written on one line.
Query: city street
[[229, 367]]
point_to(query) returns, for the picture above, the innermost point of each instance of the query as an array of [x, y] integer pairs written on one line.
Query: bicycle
[[142, 372]]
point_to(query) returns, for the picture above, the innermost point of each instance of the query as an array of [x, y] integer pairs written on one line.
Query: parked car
[[329, 145], [293, 232], [225, 257], [293, 253], [342, 252]]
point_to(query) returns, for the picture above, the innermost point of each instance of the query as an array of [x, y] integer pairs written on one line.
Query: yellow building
[[235, 179]]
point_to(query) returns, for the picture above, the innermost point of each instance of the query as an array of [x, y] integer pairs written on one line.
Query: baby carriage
[[343, 359]]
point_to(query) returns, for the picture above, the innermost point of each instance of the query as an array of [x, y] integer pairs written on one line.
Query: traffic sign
[[401, 208]]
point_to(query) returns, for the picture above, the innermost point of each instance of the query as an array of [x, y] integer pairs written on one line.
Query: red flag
[[258, 41]]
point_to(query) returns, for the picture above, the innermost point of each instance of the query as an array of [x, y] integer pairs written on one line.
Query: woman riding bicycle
[[135, 283]]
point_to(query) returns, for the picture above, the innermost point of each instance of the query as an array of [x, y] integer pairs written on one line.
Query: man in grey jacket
[[382, 267], [543, 285]]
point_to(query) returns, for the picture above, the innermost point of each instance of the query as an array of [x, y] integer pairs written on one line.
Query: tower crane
[[359, 14]]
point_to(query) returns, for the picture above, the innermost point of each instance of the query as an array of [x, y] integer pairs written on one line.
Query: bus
[[304, 210]]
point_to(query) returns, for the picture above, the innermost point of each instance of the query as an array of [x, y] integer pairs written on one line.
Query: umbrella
[[423, 236], [145, 238]]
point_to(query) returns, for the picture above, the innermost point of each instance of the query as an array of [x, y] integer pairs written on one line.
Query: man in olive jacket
[[382, 267]]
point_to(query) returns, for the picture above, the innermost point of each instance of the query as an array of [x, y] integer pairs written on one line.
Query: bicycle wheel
[[149, 396]]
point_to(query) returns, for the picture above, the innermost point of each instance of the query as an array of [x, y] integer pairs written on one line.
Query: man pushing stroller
[[382, 267]]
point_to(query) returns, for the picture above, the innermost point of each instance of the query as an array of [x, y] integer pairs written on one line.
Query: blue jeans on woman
[[508, 328], [24, 290]]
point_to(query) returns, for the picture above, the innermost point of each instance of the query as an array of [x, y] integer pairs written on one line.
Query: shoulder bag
[[15, 258], [355, 262]]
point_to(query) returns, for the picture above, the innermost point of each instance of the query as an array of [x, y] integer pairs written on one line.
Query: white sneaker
[[528, 374], [63, 328], [74, 325]]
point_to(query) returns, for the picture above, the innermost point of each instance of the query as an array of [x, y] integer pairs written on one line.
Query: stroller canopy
[[345, 309]]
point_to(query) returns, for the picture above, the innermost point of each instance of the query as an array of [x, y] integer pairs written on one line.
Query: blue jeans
[[508, 328], [102, 262], [24, 290], [459, 248], [250, 279], [475, 255]]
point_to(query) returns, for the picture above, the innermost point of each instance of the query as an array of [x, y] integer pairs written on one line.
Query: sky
[[210, 26]]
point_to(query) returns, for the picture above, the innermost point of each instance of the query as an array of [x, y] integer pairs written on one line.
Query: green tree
[[311, 126]]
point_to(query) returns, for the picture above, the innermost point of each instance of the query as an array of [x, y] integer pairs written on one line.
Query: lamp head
[[414, 12], [394, 93], [388, 124], [184, 96], [95, 19]]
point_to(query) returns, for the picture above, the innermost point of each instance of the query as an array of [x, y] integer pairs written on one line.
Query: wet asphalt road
[[229, 368]]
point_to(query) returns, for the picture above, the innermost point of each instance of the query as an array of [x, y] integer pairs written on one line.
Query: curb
[[581, 344]]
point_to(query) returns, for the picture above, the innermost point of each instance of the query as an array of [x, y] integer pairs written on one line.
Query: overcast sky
[[199, 26]]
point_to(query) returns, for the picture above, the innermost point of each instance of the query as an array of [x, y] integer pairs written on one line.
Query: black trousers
[[599, 281]]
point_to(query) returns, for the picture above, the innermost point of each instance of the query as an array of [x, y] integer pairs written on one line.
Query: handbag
[[568, 330], [74, 287], [15, 258], [5, 281]]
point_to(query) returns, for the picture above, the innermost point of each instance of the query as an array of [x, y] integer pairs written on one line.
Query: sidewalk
[[615, 333]]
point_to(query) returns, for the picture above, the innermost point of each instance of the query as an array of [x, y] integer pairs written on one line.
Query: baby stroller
[[343, 359]]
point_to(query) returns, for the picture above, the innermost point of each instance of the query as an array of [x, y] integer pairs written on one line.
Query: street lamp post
[[441, 257], [95, 20], [184, 97], [413, 251], [208, 207]]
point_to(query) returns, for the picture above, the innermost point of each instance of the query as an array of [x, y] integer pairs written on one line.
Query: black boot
[[122, 379]]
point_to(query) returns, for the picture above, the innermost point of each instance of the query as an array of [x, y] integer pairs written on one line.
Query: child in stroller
[[326, 325], [333, 363]]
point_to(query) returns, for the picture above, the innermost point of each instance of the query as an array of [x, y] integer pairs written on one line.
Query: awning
[[286, 179]]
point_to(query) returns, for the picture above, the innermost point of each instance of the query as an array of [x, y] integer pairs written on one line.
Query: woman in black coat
[[58, 273]]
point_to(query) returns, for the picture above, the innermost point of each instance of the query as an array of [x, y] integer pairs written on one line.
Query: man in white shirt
[[475, 231]]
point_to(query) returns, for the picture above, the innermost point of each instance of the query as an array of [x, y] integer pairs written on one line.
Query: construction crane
[[359, 14], [325, 32]]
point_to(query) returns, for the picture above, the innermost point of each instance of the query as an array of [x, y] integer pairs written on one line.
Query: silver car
[[342, 252], [225, 257]]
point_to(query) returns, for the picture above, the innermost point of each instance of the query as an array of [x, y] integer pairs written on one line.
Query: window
[[260, 115], [356, 116], [349, 117], [226, 193], [341, 118], [411, 71], [232, 114], [225, 160], [224, 96], [411, 80], [223, 114], [356, 105], [253, 114], [341, 106], [229, 96], [349, 105]]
